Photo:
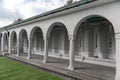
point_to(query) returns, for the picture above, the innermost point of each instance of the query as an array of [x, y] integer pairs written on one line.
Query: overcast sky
[[10, 10]]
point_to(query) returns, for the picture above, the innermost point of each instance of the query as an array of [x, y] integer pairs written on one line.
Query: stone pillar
[[117, 36], [62, 43], [86, 42], [29, 49], [53, 43], [35, 44], [18, 47], [45, 50], [2, 43], [71, 53], [9, 48], [97, 52]]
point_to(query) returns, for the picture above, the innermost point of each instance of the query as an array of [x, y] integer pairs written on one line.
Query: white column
[[62, 44], [29, 49], [35, 44], [2, 44], [86, 42], [71, 53], [45, 50], [117, 36], [18, 47], [9, 48], [97, 45], [53, 43]]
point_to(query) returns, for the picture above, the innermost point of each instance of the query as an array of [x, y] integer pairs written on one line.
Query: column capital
[[46, 38], [30, 39], [71, 37], [117, 35]]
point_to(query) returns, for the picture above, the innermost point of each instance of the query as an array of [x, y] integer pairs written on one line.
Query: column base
[[70, 68], [9, 53], [3, 53], [28, 57], [17, 55], [44, 61]]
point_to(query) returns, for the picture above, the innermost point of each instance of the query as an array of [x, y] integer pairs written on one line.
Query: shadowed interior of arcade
[[82, 37], [58, 43], [37, 41], [13, 42], [5, 42], [94, 37], [23, 42], [91, 47]]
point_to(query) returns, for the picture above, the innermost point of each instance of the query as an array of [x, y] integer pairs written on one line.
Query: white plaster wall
[[110, 11]]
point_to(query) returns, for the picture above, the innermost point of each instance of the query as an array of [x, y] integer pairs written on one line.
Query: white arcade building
[[87, 29]]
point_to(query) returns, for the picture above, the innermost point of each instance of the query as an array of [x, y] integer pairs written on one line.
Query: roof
[[66, 7]]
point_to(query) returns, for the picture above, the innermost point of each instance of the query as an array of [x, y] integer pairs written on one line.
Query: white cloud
[[13, 9], [39, 6], [5, 22], [30, 8], [12, 5]]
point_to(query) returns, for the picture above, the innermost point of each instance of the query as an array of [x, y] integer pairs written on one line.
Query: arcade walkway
[[82, 71]]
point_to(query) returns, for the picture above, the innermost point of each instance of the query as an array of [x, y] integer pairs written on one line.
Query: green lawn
[[13, 70]]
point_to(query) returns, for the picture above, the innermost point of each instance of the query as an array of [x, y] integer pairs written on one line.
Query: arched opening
[[58, 39], [37, 40], [23, 39], [95, 38], [13, 42], [5, 42]]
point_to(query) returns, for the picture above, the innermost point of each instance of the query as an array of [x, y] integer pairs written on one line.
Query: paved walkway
[[82, 71]]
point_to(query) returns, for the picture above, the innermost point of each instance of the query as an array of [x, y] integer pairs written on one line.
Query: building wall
[[72, 19], [57, 42]]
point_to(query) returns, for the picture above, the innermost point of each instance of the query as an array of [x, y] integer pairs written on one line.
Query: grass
[[13, 70]]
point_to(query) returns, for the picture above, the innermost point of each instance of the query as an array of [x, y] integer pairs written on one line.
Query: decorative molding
[[71, 37], [117, 35]]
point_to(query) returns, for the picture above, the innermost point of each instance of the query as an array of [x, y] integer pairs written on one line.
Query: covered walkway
[[83, 37], [83, 71]]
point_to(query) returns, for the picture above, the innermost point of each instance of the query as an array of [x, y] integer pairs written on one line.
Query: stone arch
[[23, 41], [86, 17], [98, 31], [53, 25], [21, 32], [13, 42], [37, 40], [57, 36]]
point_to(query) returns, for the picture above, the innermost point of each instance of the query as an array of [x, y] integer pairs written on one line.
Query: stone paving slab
[[83, 71]]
